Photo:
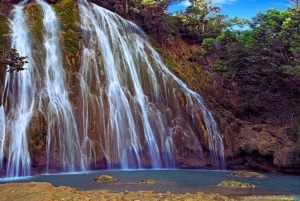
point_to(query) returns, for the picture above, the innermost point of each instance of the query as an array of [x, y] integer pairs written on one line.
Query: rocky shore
[[42, 191]]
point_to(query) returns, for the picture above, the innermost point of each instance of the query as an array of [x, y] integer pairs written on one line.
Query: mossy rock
[[147, 181], [68, 14], [35, 17], [103, 178], [243, 173], [4, 33], [235, 184], [37, 132], [171, 63]]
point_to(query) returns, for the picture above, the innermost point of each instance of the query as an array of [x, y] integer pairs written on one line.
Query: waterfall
[[54, 102], [2, 135], [117, 56], [121, 135], [18, 102], [130, 110]]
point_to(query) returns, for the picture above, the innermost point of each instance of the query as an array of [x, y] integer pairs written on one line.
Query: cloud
[[185, 3]]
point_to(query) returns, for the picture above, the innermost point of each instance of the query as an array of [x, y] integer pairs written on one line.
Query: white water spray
[[18, 102], [117, 54], [54, 100]]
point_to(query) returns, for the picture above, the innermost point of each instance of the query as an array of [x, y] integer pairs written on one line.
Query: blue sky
[[242, 8]]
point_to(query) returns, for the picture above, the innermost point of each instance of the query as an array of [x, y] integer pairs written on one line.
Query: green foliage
[[264, 61], [201, 19], [209, 43], [171, 63], [12, 61], [220, 65]]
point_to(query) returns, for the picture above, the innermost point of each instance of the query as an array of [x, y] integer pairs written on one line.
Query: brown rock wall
[[257, 146]]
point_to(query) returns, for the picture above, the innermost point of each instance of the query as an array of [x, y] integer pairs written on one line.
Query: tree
[[12, 61], [296, 3], [202, 19], [290, 33], [201, 10], [152, 17], [258, 68]]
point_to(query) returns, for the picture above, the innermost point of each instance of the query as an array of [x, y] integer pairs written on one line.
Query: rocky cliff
[[266, 144]]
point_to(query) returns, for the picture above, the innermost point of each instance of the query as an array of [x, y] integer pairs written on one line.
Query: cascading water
[[54, 102], [124, 101], [134, 82], [130, 110], [18, 102], [2, 135]]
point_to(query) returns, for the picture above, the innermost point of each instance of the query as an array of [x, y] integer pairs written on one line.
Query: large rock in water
[[104, 178], [236, 184], [243, 173]]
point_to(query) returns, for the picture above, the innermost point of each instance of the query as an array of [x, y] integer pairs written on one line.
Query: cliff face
[[266, 144], [249, 144]]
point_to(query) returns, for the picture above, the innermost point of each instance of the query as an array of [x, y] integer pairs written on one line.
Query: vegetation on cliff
[[12, 61], [67, 11], [259, 66]]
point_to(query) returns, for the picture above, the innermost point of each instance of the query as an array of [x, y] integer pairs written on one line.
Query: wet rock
[[147, 181], [243, 173], [237, 184], [104, 178]]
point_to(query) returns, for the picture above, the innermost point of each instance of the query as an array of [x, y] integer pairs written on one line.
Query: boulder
[[243, 173], [104, 178], [236, 184]]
